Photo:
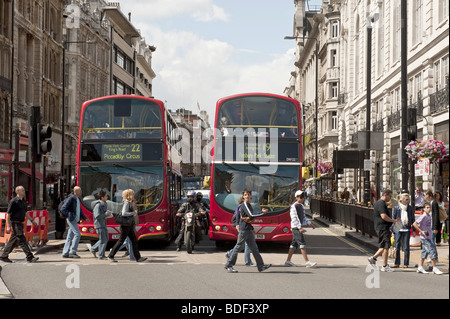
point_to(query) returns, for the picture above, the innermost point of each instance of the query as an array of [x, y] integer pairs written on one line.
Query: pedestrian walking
[[298, 221], [246, 235], [383, 222], [72, 210], [101, 213], [435, 222], [127, 230], [247, 250], [405, 212], [16, 213], [424, 225]]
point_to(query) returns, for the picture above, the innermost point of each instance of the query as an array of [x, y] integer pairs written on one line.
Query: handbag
[[123, 220], [442, 214]]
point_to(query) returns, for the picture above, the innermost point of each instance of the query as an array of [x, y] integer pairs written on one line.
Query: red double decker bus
[[257, 145], [124, 144]]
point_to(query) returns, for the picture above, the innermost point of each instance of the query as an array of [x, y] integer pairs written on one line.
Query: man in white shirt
[[298, 221]]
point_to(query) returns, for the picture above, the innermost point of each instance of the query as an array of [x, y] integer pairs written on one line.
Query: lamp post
[[63, 112], [370, 20], [316, 56]]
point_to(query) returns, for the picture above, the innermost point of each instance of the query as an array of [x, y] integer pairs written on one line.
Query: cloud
[[199, 10]]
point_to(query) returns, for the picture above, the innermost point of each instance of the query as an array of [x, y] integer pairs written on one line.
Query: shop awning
[[28, 172]]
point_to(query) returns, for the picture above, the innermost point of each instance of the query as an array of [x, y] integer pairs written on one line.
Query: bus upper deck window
[[122, 108]]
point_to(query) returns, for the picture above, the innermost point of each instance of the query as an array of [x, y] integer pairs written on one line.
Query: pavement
[[338, 229]]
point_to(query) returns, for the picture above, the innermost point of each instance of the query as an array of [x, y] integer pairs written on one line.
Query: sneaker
[[421, 270], [111, 259], [33, 259], [436, 271], [288, 263], [141, 259], [372, 261], [93, 253], [265, 267], [73, 256], [387, 269], [310, 264], [250, 265], [231, 270], [6, 260]]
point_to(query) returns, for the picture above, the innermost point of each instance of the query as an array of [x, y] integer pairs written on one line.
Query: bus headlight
[[151, 229], [285, 230], [84, 229], [158, 228], [225, 228], [217, 227]]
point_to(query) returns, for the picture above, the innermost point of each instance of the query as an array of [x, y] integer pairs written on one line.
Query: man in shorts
[[383, 222], [298, 221]]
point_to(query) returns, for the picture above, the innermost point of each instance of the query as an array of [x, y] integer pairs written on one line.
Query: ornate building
[[341, 28]]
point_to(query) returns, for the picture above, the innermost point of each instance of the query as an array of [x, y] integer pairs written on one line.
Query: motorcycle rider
[[205, 206], [190, 206]]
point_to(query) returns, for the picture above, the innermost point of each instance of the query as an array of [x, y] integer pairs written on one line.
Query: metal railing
[[350, 216]]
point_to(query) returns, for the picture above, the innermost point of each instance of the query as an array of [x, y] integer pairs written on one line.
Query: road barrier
[[36, 236]]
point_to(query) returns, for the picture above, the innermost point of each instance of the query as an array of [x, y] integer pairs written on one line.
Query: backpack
[[60, 212]]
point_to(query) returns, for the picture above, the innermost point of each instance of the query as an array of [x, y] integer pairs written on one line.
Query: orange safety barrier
[[35, 235]]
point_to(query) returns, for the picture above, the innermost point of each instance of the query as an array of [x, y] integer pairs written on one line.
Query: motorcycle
[[189, 231]]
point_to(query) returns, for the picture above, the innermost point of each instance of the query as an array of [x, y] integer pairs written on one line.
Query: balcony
[[439, 101]]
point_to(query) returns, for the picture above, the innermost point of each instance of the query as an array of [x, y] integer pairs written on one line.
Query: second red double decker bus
[[257, 145]]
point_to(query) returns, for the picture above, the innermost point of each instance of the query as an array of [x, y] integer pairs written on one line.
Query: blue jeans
[[127, 243], [402, 237], [246, 237], [73, 238], [247, 252], [100, 245]]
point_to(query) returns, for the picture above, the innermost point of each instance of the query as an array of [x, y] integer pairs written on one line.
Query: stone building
[[341, 27]]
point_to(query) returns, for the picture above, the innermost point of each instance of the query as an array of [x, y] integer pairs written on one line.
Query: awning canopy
[[28, 172]]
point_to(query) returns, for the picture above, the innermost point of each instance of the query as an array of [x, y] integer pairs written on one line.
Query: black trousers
[[126, 231], [17, 238]]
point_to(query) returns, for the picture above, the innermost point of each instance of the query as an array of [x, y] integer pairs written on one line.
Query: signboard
[[423, 167], [121, 152]]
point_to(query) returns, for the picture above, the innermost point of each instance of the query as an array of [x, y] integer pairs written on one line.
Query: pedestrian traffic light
[[44, 144]]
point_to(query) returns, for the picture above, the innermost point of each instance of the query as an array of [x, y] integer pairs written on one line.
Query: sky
[[209, 49]]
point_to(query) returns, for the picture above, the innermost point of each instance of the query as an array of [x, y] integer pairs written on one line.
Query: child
[[423, 225], [298, 220]]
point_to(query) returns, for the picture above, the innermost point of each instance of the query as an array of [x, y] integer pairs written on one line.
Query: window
[[417, 18], [333, 54], [334, 90], [334, 120], [334, 29], [443, 10], [396, 32]]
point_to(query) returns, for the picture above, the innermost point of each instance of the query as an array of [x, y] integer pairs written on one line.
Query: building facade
[[341, 27]]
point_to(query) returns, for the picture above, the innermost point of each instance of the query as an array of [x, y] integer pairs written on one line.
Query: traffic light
[[43, 143]]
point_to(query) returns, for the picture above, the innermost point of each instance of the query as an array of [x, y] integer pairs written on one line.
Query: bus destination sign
[[121, 152]]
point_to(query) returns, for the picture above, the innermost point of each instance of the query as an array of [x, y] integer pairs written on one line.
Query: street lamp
[[63, 113], [370, 20], [316, 56]]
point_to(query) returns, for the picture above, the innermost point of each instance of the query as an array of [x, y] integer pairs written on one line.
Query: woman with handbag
[[127, 226]]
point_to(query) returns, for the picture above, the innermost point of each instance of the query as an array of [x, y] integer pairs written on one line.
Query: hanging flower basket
[[325, 168], [434, 150]]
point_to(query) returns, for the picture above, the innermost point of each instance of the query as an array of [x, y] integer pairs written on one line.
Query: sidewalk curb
[[372, 243], [4, 291]]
